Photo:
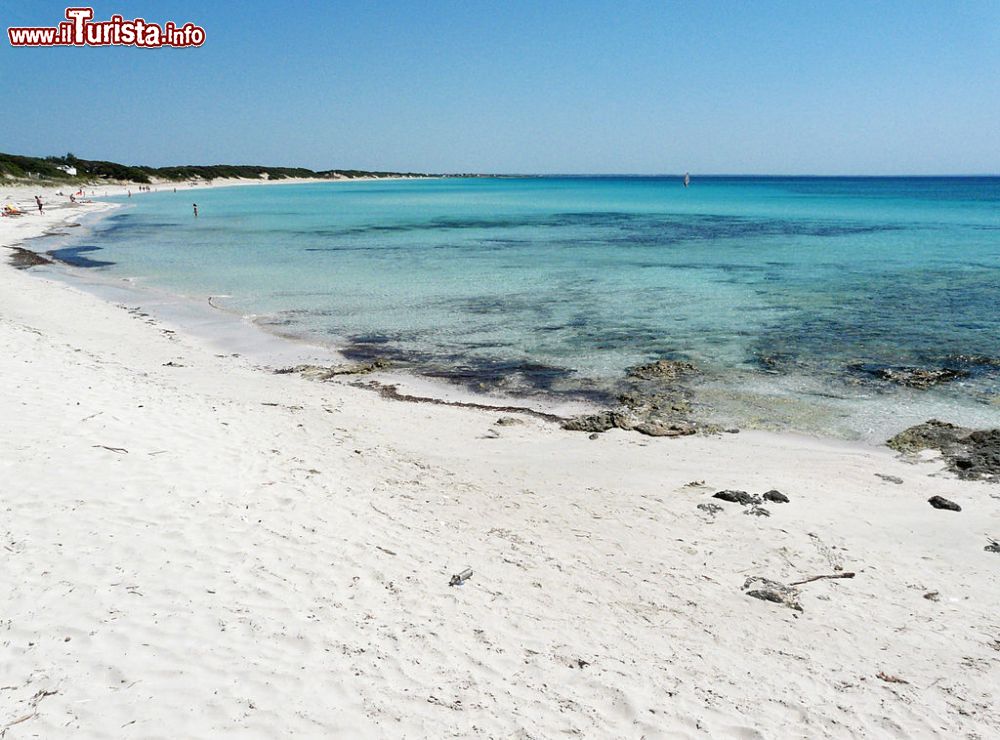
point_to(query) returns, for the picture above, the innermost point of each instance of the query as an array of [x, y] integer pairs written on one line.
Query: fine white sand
[[206, 548]]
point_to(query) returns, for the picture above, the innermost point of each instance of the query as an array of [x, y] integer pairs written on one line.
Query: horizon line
[[725, 174]]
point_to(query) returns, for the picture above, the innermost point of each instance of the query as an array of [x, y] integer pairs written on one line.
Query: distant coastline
[[71, 169]]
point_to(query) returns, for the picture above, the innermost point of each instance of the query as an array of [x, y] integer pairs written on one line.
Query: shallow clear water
[[786, 292]]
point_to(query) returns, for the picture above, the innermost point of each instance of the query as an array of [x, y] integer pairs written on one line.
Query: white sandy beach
[[194, 547]]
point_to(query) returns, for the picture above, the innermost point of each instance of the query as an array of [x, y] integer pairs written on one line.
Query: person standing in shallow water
[[195, 209], [38, 202]]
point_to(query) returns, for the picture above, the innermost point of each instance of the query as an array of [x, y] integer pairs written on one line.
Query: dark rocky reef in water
[[661, 370], [774, 363], [974, 361], [75, 256], [970, 454], [911, 377], [654, 402]]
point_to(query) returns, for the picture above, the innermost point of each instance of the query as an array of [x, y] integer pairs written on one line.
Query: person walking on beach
[[38, 202], [195, 209]]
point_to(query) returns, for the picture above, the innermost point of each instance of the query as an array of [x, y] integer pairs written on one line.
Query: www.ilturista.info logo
[[79, 29]]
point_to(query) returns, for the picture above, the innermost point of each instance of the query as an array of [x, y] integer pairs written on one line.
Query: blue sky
[[575, 87]]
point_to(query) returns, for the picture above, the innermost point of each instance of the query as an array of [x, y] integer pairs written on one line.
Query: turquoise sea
[[792, 295]]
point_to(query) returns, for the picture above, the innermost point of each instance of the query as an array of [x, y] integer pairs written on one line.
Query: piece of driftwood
[[19, 720], [817, 578], [112, 449], [459, 578], [890, 679]]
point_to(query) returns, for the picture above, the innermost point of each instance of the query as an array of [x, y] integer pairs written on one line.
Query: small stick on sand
[[112, 449], [890, 679], [18, 721], [816, 578]]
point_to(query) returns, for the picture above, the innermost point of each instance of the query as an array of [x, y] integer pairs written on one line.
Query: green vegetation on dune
[[211, 172], [13, 166]]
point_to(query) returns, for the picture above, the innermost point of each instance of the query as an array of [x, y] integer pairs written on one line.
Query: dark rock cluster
[[751, 502], [599, 422], [737, 497], [321, 372], [656, 397], [748, 499], [653, 402], [605, 420], [972, 455]]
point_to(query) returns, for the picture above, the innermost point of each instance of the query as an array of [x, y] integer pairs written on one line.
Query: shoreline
[[274, 348], [269, 346], [186, 530]]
